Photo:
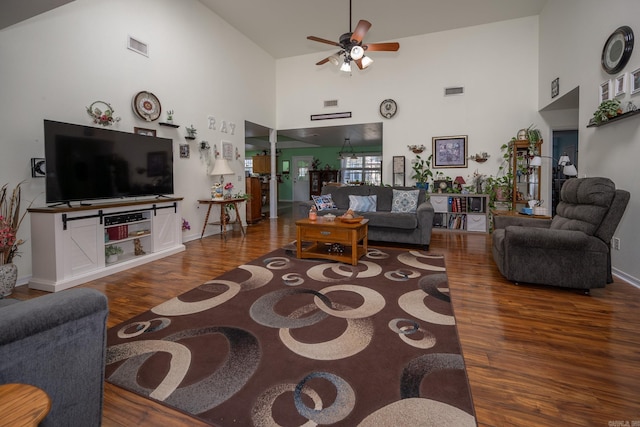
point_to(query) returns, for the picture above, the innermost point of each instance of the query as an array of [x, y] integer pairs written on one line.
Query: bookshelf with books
[[461, 212]]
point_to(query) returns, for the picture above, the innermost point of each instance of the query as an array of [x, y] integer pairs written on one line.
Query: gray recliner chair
[[572, 250]]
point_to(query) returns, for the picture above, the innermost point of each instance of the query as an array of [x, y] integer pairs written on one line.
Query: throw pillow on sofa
[[363, 203], [323, 203], [405, 201]]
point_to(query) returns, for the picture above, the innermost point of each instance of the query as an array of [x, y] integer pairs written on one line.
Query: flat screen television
[[86, 163]]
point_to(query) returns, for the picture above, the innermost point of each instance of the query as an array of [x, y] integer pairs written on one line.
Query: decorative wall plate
[[146, 106], [388, 108]]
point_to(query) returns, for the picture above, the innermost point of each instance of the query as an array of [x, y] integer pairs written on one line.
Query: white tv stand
[[68, 243]]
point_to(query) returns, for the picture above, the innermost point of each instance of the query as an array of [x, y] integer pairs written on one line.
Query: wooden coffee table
[[323, 234]]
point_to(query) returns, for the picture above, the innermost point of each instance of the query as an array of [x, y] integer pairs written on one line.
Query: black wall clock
[[617, 50]]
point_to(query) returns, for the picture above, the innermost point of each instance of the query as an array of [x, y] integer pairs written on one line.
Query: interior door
[[300, 173]]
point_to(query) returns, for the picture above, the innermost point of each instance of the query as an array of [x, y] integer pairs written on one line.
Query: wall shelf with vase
[[480, 157], [416, 149]]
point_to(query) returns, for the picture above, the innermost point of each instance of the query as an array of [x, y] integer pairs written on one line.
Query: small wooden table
[[223, 219], [321, 232], [22, 405]]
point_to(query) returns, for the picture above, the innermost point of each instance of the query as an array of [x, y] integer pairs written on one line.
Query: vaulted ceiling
[[280, 27]]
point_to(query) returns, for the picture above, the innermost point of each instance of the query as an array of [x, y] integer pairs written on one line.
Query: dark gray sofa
[[573, 249], [384, 225], [57, 342]]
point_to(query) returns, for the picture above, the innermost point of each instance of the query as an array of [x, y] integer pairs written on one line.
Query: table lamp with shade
[[220, 167]]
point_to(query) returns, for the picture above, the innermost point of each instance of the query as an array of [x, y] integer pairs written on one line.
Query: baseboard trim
[[633, 281]]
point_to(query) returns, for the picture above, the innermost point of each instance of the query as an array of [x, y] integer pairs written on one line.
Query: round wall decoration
[[388, 108], [617, 50], [146, 106]]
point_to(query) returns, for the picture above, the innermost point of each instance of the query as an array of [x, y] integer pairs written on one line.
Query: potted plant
[[422, 171], [498, 189], [111, 252], [170, 116], [10, 220], [231, 207], [191, 132], [607, 110]]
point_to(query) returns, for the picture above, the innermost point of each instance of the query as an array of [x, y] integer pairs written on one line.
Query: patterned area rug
[[283, 341]]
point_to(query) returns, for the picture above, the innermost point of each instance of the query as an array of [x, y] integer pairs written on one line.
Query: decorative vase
[[112, 258], [8, 278]]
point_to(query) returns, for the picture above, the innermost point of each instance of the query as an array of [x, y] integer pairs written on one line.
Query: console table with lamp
[[221, 168]]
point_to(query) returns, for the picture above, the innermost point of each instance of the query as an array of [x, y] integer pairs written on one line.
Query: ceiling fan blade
[[318, 39], [391, 46], [358, 63], [361, 29], [334, 59]]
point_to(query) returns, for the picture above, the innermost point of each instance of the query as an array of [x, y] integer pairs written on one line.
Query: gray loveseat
[[384, 225], [572, 249], [57, 342]]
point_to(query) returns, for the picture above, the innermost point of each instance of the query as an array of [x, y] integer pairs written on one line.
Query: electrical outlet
[[616, 243]]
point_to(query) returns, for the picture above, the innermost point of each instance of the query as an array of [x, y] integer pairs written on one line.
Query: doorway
[[300, 173], [562, 117], [565, 142]]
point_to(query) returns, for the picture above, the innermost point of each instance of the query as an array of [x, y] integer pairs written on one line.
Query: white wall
[[497, 64], [572, 35], [54, 65]]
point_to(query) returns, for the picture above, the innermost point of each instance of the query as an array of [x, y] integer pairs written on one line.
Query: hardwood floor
[[535, 356]]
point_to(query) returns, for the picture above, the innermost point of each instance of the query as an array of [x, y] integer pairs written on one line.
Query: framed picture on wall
[[620, 85], [398, 171], [227, 150], [145, 132], [555, 87], [449, 151], [605, 91], [635, 81], [184, 151]]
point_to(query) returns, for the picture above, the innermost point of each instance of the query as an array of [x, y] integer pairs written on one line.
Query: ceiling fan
[[352, 48]]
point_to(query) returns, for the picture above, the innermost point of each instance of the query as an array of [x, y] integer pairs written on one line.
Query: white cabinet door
[[166, 229], [84, 246]]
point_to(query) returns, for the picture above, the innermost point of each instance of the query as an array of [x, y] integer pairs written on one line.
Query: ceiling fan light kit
[[357, 52], [351, 47], [335, 59]]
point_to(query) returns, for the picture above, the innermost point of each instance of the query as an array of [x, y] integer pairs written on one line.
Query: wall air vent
[[459, 90], [331, 103], [137, 46]]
